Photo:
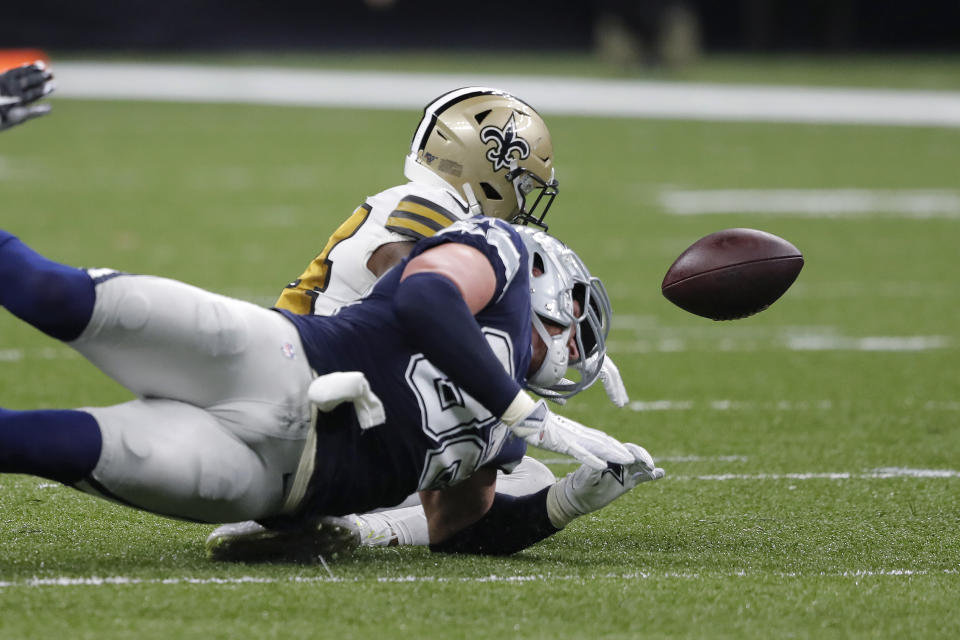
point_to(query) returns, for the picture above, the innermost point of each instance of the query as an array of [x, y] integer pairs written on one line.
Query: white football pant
[[222, 415]]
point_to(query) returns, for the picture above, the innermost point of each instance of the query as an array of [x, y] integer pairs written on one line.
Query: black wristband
[[511, 524]]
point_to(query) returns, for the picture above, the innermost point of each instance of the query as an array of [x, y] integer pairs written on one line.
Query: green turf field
[[747, 536]]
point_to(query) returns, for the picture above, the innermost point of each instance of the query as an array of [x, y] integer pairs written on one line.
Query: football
[[732, 274]]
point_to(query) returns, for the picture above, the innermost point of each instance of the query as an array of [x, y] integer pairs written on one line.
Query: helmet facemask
[[564, 294], [526, 182]]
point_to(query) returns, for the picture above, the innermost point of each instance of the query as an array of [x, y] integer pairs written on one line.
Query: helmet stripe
[[433, 110]]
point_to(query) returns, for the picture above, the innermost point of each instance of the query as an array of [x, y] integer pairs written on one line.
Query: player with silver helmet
[[419, 386], [476, 150]]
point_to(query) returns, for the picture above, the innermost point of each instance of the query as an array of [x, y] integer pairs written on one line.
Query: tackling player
[[20, 87], [476, 150], [419, 387]]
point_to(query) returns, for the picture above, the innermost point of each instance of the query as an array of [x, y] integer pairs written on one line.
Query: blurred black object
[[508, 26]]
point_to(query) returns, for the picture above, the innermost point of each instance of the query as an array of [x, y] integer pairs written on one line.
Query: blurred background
[[628, 33]]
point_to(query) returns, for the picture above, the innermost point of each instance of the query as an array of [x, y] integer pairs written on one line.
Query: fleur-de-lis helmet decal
[[491, 149], [505, 141]]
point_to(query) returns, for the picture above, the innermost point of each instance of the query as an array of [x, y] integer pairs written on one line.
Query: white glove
[[588, 489], [332, 389], [540, 427], [613, 383]]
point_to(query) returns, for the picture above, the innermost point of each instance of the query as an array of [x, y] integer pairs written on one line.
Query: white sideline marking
[[95, 581], [815, 203], [559, 95]]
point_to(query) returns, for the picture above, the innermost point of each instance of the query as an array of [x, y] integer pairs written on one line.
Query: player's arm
[[471, 518], [440, 291], [388, 255]]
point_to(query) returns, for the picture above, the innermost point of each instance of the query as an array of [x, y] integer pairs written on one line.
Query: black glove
[[18, 88]]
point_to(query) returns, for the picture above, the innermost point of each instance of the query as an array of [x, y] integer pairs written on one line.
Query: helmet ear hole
[[586, 331], [490, 191], [538, 263]]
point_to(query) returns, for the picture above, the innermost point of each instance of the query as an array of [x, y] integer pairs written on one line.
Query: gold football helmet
[[492, 148]]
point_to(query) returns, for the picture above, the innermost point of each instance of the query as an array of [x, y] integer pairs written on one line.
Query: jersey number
[[467, 435], [300, 296]]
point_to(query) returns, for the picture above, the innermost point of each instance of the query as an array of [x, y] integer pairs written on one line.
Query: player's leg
[[406, 524], [61, 445], [175, 459], [54, 298], [157, 337], [162, 456], [202, 348]]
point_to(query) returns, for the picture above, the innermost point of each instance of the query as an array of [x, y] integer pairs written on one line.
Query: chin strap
[[555, 361], [472, 201]]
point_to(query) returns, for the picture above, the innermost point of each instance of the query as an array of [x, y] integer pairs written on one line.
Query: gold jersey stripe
[[300, 295], [409, 227], [421, 208]]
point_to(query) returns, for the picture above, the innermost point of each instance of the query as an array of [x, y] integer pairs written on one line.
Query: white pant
[[222, 415]]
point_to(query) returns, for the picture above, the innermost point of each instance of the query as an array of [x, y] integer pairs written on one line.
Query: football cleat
[[318, 540]]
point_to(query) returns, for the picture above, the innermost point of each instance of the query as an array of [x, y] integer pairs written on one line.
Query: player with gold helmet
[[476, 151]]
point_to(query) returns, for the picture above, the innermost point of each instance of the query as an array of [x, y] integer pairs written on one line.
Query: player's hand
[[21, 86], [546, 430], [588, 489]]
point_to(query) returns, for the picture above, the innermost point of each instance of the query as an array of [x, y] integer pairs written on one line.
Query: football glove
[[330, 390], [18, 88], [588, 489], [540, 427]]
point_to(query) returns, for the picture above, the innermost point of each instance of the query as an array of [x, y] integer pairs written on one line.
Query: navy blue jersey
[[435, 434]]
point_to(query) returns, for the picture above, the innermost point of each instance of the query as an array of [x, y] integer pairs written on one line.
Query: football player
[[20, 87], [476, 150], [419, 386]]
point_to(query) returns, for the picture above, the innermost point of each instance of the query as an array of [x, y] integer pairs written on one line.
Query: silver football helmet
[[563, 293], [490, 147]]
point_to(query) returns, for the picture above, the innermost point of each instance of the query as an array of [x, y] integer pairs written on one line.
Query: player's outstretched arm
[[440, 291], [509, 524], [542, 428], [19, 88]]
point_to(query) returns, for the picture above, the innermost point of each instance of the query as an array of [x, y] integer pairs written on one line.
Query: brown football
[[732, 274]]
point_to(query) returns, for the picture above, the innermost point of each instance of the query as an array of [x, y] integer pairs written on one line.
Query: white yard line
[[875, 474], [790, 342], [770, 405], [122, 581], [557, 95], [659, 459], [868, 343], [815, 203]]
